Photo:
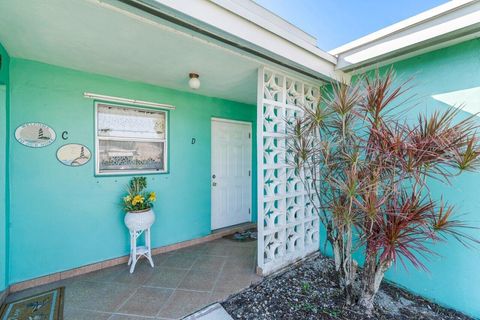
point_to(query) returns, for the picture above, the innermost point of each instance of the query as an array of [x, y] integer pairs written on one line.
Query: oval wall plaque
[[35, 135], [73, 154]]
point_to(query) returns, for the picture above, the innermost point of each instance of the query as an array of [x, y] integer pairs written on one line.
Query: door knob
[[214, 176]]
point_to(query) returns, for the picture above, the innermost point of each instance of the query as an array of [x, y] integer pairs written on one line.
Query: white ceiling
[[96, 37]]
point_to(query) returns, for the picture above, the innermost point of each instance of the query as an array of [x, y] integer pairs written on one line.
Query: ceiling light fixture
[[194, 81]]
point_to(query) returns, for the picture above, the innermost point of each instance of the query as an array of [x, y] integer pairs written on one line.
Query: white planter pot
[[139, 220]]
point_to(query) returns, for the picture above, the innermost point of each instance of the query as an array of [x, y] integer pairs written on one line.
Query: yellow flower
[[152, 197], [137, 199], [127, 198]]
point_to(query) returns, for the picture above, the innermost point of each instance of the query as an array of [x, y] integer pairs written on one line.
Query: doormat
[[247, 235], [47, 305]]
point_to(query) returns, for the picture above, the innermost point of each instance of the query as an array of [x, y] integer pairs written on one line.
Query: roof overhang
[[248, 27], [445, 25], [150, 42]]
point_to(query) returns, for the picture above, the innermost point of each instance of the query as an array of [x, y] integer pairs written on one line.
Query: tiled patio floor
[[182, 281]]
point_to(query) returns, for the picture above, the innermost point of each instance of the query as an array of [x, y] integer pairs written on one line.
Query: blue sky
[[336, 22]]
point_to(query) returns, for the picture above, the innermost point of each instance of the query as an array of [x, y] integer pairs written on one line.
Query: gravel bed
[[309, 290]]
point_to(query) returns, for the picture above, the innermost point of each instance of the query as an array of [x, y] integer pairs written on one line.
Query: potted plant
[[138, 204]]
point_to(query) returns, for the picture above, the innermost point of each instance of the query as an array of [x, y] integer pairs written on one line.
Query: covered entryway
[[142, 52], [231, 172]]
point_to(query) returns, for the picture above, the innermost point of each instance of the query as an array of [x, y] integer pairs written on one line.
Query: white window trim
[[130, 172]]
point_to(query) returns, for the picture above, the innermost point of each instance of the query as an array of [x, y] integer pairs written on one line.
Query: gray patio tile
[[220, 241], [143, 272], [218, 249], [103, 275], [234, 271], [238, 268], [146, 301], [82, 314], [201, 280], [242, 253], [206, 262], [98, 296], [182, 303], [236, 251], [233, 286], [158, 259], [211, 272], [166, 277], [194, 250], [181, 261], [251, 244], [228, 242], [242, 264], [232, 280]]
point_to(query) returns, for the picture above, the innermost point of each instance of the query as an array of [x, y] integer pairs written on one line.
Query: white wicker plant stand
[[137, 224]]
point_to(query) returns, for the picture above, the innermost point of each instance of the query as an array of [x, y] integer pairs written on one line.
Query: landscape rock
[[309, 290]]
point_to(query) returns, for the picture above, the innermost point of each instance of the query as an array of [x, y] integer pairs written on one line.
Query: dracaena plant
[[367, 169]]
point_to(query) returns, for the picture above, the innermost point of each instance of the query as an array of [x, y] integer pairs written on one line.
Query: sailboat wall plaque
[[35, 135], [73, 154]]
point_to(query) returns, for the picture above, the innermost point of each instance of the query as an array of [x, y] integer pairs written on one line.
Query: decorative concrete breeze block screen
[[288, 227]]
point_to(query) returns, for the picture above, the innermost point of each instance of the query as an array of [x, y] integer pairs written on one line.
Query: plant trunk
[[345, 265], [349, 267], [372, 278], [337, 253]]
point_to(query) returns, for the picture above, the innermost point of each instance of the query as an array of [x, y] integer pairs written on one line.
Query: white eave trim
[[403, 25], [457, 20], [259, 31], [261, 16]]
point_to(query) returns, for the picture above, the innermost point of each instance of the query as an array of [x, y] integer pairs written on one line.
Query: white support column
[[288, 229]]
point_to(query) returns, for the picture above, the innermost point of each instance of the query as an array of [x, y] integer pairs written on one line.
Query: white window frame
[[130, 172]]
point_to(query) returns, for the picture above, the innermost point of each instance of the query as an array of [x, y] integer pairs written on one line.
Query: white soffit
[[252, 27], [447, 24], [100, 37], [114, 38]]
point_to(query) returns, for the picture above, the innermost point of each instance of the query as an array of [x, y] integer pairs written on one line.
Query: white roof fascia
[[264, 18], [268, 20], [231, 20], [453, 22]]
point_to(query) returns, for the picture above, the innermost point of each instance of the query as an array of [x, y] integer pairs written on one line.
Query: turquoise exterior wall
[[4, 76], [454, 278], [64, 217]]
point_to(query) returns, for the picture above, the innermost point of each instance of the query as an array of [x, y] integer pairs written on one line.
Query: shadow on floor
[[181, 282]]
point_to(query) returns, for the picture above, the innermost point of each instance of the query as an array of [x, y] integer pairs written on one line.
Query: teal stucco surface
[[3, 167], [454, 277], [65, 217]]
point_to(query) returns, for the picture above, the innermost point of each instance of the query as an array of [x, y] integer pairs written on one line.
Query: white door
[[231, 179]]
